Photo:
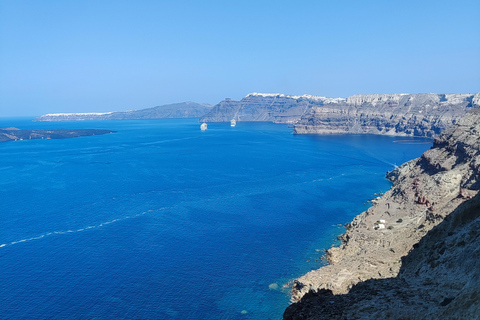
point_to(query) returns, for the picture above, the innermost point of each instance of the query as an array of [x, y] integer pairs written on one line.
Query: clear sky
[[87, 56]]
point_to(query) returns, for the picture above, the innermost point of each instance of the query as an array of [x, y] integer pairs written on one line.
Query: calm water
[[163, 221]]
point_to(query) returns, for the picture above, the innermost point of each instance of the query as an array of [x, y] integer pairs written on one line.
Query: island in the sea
[[14, 134], [168, 111], [421, 115]]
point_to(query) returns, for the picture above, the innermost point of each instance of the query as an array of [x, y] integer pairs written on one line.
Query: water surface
[[163, 221]]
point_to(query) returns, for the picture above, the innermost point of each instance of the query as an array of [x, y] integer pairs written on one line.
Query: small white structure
[[382, 221], [203, 126], [379, 226], [233, 123]]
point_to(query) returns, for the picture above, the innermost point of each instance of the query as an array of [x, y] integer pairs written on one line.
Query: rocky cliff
[[424, 115], [439, 279], [414, 254], [279, 108], [176, 110]]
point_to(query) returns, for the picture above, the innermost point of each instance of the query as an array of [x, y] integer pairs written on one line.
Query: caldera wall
[[422, 115]]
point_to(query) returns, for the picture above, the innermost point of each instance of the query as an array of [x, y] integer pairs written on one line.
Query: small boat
[[233, 123], [203, 127]]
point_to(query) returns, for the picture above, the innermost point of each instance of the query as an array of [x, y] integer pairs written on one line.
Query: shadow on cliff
[[440, 277]]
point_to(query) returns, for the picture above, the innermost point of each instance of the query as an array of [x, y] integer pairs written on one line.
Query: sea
[[163, 221]]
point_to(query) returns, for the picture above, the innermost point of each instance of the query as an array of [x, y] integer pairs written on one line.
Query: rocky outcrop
[[176, 110], [367, 275], [423, 115], [9, 134], [278, 108], [439, 279]]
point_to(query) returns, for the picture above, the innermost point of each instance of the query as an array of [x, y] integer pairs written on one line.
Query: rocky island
[[421, 115], [175, 110], [414, 254], [13, 134]]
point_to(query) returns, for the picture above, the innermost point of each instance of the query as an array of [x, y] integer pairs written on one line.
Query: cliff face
[[424, 115], [439, 279], [176, 110], [441, 274], [277, 108]]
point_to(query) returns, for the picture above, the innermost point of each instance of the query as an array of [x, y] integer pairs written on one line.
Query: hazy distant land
[[421, 115], [175, 110]]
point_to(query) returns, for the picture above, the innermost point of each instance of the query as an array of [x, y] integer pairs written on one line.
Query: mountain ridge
[[175, 110], [423, 115], [400, 114]]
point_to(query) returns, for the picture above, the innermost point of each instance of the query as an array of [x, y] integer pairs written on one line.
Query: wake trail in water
[[166, 141], [210, 199], [97, 226], [378, 161]]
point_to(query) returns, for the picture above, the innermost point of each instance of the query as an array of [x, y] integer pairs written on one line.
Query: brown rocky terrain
[[414, 254]]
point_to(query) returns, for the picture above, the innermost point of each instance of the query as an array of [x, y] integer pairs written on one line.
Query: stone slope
[[424, 115], [424, 192], [176, 110], [439, 279]]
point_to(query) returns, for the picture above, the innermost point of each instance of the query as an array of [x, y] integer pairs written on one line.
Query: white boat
[[203, 126], [233, 123]]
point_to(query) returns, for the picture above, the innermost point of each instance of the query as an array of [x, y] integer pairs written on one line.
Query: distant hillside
[[424, 115], [279, 108], [176, 110], [421, 115]]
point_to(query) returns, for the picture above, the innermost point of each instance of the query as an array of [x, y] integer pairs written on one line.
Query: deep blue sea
[[163, 221]]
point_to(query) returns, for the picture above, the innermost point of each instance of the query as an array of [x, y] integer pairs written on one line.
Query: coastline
[[424, 192], [14, 134]]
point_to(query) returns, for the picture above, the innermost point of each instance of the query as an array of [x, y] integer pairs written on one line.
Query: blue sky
[[87, 56]]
